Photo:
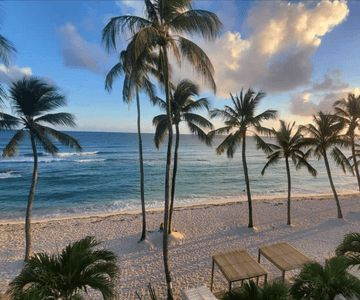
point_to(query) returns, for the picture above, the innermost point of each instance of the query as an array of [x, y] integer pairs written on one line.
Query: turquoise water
[[104, 177]]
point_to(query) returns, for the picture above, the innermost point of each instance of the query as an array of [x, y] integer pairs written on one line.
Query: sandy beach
[[207, 229]]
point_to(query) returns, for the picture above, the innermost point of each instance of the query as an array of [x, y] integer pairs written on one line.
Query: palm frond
[[65, 119], [8, 121], [11, 148], [6, 50], [341, 160], [63, 138]]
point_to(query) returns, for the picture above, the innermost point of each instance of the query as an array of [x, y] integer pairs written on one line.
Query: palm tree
[[184, 109], [67, 275], [239, 120], [6, 51], [323, 135], [289, 145], [250, 291], [348, 110], [31, 99], [162, 29], [350, 248], [318, 282], [135, 79]]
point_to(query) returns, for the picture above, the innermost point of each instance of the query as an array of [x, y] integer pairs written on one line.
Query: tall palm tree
[[289, 145], [240, 119], [350, 248], [318, 282], [67, 275], [348, 110], [162, 29], [184, 108], [136, 79], [324, 135], [31, 99]]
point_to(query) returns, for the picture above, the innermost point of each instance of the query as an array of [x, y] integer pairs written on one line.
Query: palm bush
[[324, 135], [184, 110], [31, 99], [240, 119], [318, 282], [289, 146], [350, 248], [251, 291], [68, 275]]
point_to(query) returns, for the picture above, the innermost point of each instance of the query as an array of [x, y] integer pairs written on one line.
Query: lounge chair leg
[[257, 280], [229, 286], [259, 256], [265, 279], [283, 276], [212, 275]]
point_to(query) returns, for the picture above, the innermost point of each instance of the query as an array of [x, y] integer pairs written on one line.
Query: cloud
[[307, 104], [277, 56], [131, 7], [12, 73], [79, 53], [332, 81]]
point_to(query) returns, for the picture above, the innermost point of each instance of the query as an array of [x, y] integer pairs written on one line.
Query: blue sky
[[304, 55]]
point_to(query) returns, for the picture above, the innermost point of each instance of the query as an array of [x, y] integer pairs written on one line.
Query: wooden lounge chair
[[284, 256], [237, 265], [199, 293]]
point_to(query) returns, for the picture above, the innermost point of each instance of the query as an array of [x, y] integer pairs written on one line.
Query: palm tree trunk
[[31, 200], [289, 190], [141, 161], [167, 176], [247, 182], [173, 182], [339, 213], [356, 167]]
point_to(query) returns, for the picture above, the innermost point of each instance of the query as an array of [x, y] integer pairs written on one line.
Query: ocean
[[104, 178]]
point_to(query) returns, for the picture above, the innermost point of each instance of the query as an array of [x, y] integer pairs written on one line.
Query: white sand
[[207, 229]]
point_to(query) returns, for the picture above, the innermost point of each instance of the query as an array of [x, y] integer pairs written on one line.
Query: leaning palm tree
[[184, 108], [67, 275], [350, 248], [289, 145], [318, 282], [31, 99], [240, 119], [323, 135], [162, 29], [136, 79], [348, 110]]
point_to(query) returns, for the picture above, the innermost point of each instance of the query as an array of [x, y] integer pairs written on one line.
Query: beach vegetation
[[350, 249], [184, 110], [32, 99], [288, 144], [240, 119]]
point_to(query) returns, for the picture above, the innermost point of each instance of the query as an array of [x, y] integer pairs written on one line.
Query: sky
[[304, 55]]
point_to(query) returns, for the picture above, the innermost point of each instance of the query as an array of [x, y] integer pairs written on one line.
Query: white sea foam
[[90, 160], [67, 154], [9, 174]]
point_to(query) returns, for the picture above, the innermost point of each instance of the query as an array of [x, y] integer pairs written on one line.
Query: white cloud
[[79, 53], [132, 7], [277, 56], [12, 73]]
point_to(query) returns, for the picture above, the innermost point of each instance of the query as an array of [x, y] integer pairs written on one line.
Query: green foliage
[[289, 144], [31, 99], [67, 275], [250, 291], [318, 282], [350, 248], [240, 118], [184, 108]]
